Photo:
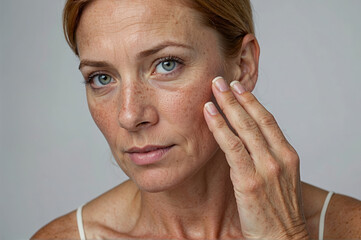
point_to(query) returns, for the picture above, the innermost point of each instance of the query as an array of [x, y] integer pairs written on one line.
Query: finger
[[264, 119], [237, 156], [240, 120]]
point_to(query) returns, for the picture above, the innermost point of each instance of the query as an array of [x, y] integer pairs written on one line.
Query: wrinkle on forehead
[[136, 21]]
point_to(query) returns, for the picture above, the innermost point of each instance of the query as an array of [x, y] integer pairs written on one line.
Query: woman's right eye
[[100, 80]]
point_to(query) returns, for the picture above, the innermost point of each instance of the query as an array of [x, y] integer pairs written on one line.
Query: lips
[[145, 149], [148, 154]]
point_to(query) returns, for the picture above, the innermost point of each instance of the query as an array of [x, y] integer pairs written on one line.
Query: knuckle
[[235, 144], [248, 99], [247, 124], [220, 123], [267, 120], [283, 141], [231, 101], [291, 159], [274, 169], [253, 185]]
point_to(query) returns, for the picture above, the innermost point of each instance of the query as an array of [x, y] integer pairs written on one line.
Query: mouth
[[148, 154]]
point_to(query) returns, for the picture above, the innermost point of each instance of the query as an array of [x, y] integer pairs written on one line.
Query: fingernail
[[220, 84], [211, 108], [237, 86]]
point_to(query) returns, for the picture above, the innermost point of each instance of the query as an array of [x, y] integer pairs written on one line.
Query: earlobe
[[248, 60]]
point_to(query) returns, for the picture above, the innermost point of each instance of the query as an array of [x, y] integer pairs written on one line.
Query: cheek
[[102, 113], [189, 102], [188, 121], [193, 100], [187, 109], [184, 107], [184, 112]]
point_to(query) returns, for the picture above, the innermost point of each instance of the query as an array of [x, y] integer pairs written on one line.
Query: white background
[[53, 158]]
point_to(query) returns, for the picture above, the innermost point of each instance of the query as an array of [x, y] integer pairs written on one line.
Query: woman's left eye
[[166, 66]]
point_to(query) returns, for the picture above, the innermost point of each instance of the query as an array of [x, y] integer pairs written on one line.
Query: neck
[[202, 207]]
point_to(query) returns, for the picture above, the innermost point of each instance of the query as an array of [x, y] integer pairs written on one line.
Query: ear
[[247, 62]]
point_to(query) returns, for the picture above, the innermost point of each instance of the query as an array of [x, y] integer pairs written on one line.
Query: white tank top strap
[[79, 220], [323, 215]]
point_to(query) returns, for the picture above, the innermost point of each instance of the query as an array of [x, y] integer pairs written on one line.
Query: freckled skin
[[141, 107], [172, 110], [188, 194]]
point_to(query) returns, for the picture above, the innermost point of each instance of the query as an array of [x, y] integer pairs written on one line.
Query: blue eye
[[166, 66], [101, 80]]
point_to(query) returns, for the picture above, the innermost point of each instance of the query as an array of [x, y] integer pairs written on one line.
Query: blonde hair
[[232, 19]]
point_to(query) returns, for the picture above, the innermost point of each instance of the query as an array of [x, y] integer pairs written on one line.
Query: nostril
[[142, 124], [133, 117]]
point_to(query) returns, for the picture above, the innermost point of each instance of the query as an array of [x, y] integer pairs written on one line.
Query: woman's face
[[150, 65]]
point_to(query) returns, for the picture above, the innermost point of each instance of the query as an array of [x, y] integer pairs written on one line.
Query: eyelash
[[170, 58], [88, 79], [178, 60]]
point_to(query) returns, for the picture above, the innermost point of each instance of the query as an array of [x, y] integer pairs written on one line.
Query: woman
[[205, 159]]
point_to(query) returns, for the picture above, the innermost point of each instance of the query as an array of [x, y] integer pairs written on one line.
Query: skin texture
[[214, 183], [144, 108]]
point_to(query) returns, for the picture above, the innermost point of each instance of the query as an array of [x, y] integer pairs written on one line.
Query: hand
[[264, 167]]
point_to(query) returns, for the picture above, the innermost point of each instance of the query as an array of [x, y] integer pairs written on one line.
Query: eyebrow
[[90, 63], [160, 47], [142, 54]]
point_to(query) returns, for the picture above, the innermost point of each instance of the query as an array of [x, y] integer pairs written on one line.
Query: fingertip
[[211, 108], [237, 87], [216, 78]]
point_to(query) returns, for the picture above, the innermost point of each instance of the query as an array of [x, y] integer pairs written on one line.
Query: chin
[[159, 178], [155, 179]]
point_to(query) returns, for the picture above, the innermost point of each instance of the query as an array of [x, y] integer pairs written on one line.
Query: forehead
[[137, 24]]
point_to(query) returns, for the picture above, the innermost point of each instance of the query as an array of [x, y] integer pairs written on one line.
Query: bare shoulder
[[64, 227], [113, 214], [343, 215], [100, 216]]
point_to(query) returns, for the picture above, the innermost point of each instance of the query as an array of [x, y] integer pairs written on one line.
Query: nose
[[136, 107]]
